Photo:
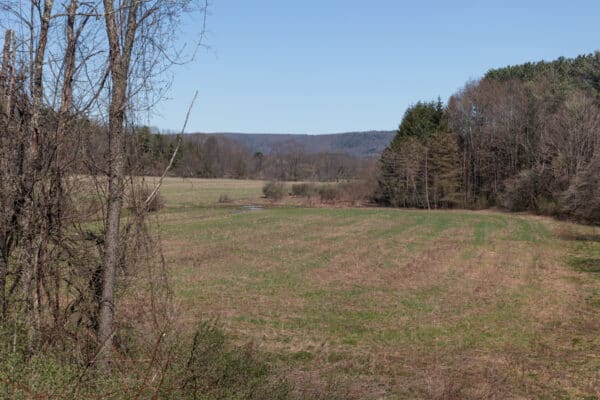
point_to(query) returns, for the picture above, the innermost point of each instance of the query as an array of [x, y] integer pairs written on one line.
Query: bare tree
[[136, 32]]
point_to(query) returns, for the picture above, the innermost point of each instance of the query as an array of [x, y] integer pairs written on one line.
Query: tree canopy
[[581, 72]]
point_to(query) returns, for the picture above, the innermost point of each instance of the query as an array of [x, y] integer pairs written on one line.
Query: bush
[[357, 191], [224, 198], [137, 201], [329, 192], [353, 192], [274, 190], [157, 204], [304, 189], [218, 370]]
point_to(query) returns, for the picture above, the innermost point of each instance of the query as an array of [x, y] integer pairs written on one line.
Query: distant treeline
[[525, 138], [207, 156]]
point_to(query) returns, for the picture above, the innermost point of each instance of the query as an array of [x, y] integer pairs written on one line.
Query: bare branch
[[179, 140]]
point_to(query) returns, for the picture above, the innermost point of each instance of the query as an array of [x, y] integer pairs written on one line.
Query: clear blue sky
[[325, 66]]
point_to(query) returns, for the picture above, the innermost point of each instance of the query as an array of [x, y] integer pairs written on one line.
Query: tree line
[[207, 156], [524, 138]]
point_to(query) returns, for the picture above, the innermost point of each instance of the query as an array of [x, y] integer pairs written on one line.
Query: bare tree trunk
[[31, 187], [5, 60], [119, 67], [56, 172], [10, 87], [37, 82], [112, 238], [427, 179], [122, 21], [4, 104], [114, 204], [69, 69], [3, 275]]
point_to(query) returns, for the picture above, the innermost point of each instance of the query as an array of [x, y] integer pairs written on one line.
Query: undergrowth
[[205, 366]]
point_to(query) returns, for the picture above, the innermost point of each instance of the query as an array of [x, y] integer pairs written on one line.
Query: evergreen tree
[[421, 167], [422, 120]]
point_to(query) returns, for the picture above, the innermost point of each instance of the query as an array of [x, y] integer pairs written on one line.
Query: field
[[387, 303]]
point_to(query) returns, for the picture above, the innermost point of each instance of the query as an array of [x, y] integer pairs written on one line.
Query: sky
[[289, 66]]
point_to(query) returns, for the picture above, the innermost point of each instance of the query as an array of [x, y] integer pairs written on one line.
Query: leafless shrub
[[224, 198], [274, 190], [138, 198], [304, 189], [328, 193]]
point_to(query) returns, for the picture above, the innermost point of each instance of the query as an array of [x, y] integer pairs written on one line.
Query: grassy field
[[391, 303]]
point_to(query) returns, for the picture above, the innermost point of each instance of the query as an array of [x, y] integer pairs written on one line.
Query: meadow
[[390, 303]]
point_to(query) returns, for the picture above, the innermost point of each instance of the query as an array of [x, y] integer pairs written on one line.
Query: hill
[[360, 144]]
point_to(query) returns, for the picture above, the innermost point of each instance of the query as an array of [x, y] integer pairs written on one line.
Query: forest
[[522, 138]]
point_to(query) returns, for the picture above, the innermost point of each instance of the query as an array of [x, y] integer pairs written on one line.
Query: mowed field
[[390, 303]]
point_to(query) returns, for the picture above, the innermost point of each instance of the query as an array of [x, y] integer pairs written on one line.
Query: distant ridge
[[360, 144]]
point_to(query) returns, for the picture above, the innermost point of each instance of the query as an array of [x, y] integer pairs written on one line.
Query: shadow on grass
[[579, 237], [585, 264]]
